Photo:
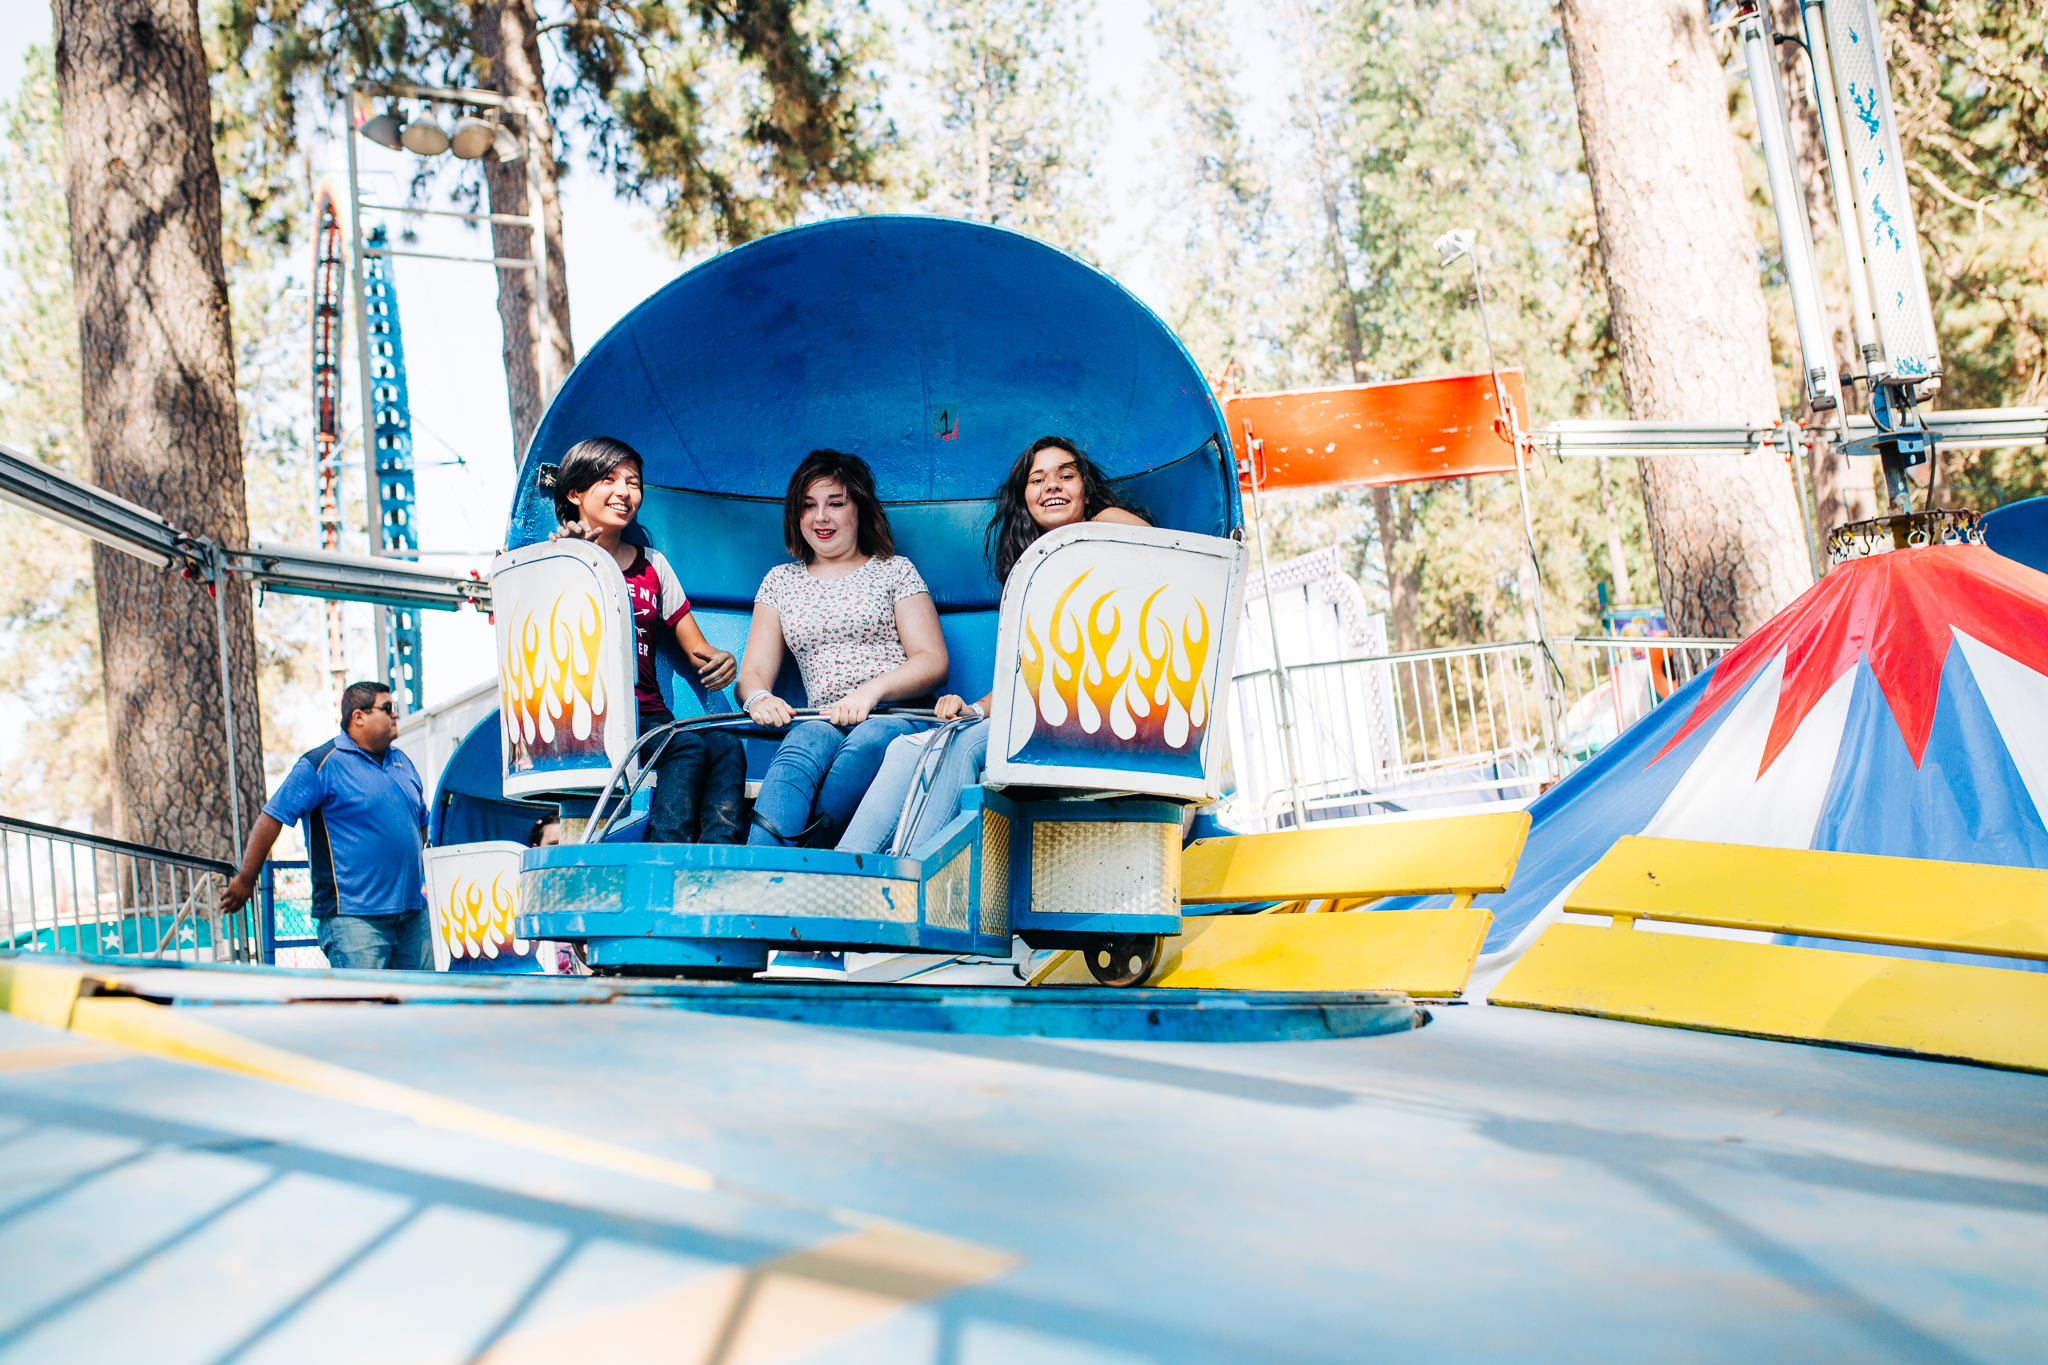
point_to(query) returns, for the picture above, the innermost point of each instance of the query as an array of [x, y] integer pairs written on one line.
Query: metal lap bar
[[598, 826]]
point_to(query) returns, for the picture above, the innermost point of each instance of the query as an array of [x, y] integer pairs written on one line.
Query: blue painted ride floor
[[1499, 1185]]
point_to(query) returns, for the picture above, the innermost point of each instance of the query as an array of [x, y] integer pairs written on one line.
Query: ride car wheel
[[1127, 960]]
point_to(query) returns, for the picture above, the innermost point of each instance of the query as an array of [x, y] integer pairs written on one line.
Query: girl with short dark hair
[[699, 774]]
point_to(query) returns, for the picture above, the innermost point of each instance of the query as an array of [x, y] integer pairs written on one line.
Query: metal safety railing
[[286, 930], [1442, 727], [84, 893]]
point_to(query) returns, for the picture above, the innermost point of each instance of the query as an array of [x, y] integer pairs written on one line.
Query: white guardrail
[[1441, 727]]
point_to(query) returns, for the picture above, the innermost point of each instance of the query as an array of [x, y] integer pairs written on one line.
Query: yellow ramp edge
[[1971, 907], [1458, 853], [1417, 952], [1992, 1015]]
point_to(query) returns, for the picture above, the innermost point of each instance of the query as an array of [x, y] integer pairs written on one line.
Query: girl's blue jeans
[[817, 778], [873, 827]]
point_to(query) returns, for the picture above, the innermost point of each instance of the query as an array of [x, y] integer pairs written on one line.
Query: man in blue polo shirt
[[365, 826]]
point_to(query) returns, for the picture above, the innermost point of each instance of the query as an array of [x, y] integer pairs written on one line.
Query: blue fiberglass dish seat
[[934, 349]]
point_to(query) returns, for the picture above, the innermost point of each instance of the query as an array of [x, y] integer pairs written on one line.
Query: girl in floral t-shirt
[[862, 626]]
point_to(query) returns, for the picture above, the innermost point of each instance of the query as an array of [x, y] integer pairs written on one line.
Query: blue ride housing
[[937, 351]]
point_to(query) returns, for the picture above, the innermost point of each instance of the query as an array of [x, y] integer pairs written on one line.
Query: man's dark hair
[[360, 696], [1011, 529], [850, 472], [586, 463]]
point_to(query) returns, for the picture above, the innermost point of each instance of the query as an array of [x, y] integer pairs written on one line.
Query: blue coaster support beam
[[392, 433]]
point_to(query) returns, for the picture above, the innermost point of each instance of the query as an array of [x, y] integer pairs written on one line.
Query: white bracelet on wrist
[[975, 707], [748, 704]]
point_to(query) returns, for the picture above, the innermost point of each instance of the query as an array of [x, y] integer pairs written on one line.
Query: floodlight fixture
[[384, 130], [426, 138], [1454, 245], [473, 138]]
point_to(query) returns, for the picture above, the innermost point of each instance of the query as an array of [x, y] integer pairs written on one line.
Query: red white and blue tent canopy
[[1899, 707]]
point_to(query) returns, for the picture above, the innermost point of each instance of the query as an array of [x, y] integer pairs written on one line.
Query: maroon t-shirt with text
[[658, 603]]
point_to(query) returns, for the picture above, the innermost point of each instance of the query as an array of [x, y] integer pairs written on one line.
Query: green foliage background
[[1403, 119]]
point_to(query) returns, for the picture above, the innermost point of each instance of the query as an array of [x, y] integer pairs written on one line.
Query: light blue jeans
[[873, 826], [377, 942], [817, 777]]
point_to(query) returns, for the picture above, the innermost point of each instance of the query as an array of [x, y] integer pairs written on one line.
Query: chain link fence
[[284, 896]]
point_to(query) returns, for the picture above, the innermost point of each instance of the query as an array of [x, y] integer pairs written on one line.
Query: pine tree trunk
[[1687, 304], [506, 39], [158, 390]]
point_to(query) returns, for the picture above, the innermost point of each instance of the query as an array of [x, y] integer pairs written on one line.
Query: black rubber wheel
[[1124, 961], [671, 972]]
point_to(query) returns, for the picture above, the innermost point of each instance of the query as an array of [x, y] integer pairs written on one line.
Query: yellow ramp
[[1930, 1009], [1465, 855], [1424, 953], [1913, 902]]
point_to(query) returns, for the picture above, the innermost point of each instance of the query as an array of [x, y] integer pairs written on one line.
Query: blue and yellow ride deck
[[612, 1177]]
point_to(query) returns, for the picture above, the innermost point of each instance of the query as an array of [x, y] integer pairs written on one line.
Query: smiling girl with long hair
[[1051, 485]]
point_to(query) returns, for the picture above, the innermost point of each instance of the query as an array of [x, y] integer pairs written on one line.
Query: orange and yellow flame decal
[[475, 922], [552, 694], [1095, 686]]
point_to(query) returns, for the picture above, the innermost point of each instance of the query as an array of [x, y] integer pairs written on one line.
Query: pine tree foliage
[[730, 119], [1437, 116], [1228, 261], [1970, 82], [49, 636], [1012, 125]]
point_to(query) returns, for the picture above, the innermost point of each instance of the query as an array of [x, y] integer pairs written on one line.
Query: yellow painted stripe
[[1930, 1009], [1456, 853], [1059, 967], [153, 1028], [59, 1054], [38, 991], [1968, 907], [742, 1316]]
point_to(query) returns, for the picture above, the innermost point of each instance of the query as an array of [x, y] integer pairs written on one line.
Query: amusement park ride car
[[937, 351]]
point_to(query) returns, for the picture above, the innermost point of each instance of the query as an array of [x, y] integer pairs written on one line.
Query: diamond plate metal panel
[[1103, 867], [574, 890], [995, 875], [795, 895], [947, 894]]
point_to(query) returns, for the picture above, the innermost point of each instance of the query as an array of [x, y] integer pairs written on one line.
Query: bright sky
[[462, 439]]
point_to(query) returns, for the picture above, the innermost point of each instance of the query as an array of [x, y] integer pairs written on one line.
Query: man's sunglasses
[[387, 708]]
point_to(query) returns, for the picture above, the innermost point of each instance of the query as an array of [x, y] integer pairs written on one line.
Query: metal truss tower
[[392, 438], [330, 272]]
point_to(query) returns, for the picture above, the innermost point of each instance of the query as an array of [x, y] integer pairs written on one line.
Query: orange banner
[[1366, 435]]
